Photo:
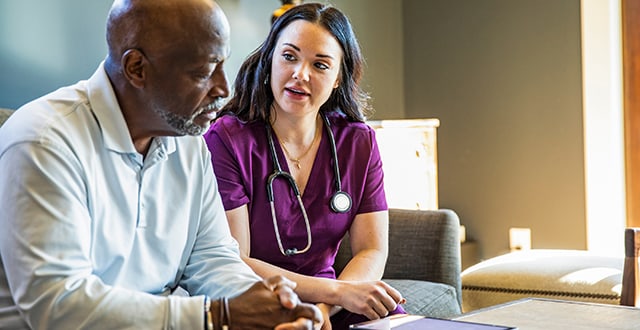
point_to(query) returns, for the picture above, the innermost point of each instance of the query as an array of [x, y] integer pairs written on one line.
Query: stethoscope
[[340, 201]]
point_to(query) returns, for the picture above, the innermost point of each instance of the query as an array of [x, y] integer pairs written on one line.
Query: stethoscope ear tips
[[340, 202]]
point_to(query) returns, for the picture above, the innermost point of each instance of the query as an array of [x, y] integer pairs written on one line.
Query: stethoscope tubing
[[340, 201]]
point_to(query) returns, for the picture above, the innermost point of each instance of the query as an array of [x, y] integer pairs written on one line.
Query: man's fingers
[[283, 287], [272, 283], [299, 324], [308, 317], [309, 311], [288, 298]]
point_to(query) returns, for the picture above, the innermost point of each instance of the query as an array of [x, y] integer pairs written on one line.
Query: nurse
[[298, 168]]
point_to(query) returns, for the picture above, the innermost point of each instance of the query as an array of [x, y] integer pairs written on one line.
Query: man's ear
[[133, 66]]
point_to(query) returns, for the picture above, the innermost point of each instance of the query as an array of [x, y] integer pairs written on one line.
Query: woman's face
[[305, 68]]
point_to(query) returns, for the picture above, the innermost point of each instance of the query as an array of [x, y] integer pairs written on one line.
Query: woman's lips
[[296, 92]]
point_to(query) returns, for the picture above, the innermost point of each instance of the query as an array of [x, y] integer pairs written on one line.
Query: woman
[[298, 107]]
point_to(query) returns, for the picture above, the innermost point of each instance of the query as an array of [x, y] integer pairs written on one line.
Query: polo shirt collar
[[113, 126]]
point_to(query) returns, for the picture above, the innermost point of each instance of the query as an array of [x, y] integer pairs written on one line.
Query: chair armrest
[[4, 115], [423, 245]]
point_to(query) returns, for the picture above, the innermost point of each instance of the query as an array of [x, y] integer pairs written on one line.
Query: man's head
[[165, 62]]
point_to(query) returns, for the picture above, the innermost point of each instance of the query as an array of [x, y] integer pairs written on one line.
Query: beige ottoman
[[554, 274]]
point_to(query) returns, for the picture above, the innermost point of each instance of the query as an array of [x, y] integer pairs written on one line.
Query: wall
[[378, 26], [504, 78], [48, 44]]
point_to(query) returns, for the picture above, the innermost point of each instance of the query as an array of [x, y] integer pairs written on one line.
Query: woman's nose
[[301, 72]]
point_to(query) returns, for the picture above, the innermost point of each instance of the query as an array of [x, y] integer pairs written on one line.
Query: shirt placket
[[157, 154]]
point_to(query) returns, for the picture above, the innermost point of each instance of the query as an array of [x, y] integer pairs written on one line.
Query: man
[[108, 200]]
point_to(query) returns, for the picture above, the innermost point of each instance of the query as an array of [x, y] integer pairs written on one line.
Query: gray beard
[[184, 125]]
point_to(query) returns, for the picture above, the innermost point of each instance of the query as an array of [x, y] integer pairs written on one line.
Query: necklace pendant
[[298, 164]]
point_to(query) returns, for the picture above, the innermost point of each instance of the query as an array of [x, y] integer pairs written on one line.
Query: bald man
[[108, 204]]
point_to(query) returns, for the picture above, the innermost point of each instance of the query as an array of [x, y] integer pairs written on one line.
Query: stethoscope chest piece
[[340, 202]]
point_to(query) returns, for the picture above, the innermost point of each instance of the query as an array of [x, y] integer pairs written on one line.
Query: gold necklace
[[296, 160]]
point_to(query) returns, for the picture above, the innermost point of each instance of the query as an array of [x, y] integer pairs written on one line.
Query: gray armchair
[[424, 260], [4, 115]]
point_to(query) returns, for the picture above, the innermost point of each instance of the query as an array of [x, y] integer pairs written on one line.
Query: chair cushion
[[427, 298], [555, 274]]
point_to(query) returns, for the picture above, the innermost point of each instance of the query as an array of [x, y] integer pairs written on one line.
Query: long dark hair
[[253, 96]]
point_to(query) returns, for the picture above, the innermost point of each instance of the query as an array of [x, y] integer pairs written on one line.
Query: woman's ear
[[133, 65]]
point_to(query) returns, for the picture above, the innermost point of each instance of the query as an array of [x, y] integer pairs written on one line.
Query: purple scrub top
[[242, 164]]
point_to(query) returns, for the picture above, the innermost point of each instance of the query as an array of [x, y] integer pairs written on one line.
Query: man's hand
[[272, 304], [326, 314]]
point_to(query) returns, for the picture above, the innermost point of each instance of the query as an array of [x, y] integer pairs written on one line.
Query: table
[[549, 314]]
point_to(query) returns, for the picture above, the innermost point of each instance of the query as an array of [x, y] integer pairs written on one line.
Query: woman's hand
[[373, 299]]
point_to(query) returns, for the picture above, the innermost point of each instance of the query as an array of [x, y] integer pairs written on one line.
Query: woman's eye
[[322, 66], [288, 57]]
